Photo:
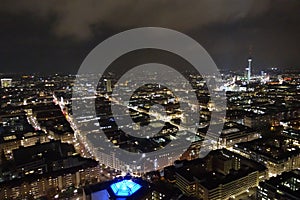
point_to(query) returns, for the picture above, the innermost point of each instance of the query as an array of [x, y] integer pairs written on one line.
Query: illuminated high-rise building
[[108, 86], [6, 82]]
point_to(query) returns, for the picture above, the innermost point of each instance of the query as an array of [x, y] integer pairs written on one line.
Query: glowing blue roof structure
[[125, 188]]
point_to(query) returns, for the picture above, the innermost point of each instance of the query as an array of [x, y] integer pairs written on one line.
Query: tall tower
[[249, 70], [108, 85]]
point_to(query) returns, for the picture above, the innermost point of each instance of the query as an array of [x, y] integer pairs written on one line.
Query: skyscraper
[[108, 86]]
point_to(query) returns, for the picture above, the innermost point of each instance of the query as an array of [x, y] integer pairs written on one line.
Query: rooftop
[[277, 148], [286, 185], [210, 177], [127, 188]]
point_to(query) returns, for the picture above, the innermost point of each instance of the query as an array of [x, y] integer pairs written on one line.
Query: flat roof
[[196, 170], [277, 148], [287, 184]]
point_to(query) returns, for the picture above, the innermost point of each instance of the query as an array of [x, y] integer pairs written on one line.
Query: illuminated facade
[[11, 142], [278, 154], [6, 82], [49, 184], [234, 133], [285, 186], [220, 175]]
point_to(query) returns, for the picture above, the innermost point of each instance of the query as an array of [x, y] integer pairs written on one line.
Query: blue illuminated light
[[125, 188]]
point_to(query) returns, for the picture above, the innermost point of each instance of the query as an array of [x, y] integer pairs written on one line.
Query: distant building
[[6, 82], [270, 115], [285, 186], [279, 153], [292, 133], [233, 133], [108, 85], [257, 121]]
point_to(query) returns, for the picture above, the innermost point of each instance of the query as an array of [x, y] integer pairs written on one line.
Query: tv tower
[[248, 69]]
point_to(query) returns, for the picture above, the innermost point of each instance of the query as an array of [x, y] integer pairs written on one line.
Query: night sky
[[55, 36]]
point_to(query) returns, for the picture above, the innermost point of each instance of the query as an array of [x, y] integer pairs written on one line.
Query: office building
[[278, 153], [6, 82], [285, 186], [220, 175], [45, 170]]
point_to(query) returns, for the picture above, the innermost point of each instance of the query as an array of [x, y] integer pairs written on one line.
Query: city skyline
[[140, 100], [48, 151]]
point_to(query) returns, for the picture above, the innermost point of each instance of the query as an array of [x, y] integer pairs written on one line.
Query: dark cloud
[[56, 35], [77, 17]]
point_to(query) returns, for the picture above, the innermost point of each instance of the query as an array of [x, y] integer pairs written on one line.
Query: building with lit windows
[[50, 184], [193, 152], [51, 119], [10, 142], [255, 120], [278, 153], [15, 132], [6, 82], [233, 133], [220, 175], [285, 186], [45, 170]]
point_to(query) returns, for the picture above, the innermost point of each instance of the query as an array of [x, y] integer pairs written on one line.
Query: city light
[[125, 188]]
